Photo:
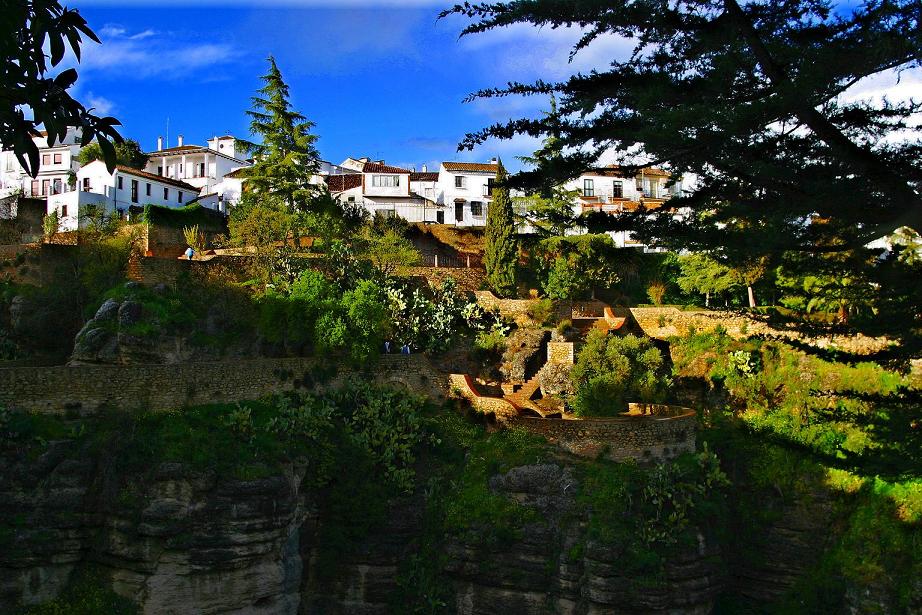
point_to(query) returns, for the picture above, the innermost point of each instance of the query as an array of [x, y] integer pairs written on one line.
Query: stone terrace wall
[[152, 270], [87, 389], [469, 280], [518, 308], [461, 385], [678, 322], [618, 438]]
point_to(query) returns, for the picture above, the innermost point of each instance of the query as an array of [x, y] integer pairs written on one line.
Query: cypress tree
[[501, 251], [285, 158]]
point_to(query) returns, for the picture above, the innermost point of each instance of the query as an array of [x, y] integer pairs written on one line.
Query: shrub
[[610, 371], [555, 379], [565, 326], [541, 311], [656, 290]]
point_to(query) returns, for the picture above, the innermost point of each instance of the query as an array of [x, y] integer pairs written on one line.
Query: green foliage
[[194, 238], [37, 35], [542, 311], [285, 157], [182, 217], [51, 224], [85, 596], [612, 371], [127, 153], [389, 253], [577, 267], [702, 274], [501, 253]]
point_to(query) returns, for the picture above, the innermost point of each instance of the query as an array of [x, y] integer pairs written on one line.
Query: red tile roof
[[340, 183], [424, 177], [470, 166], [180, 149], [159, 178], [377, 167]]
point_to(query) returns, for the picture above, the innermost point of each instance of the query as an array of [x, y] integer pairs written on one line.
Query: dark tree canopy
[[127, 153], [746, 96], [30, 97]]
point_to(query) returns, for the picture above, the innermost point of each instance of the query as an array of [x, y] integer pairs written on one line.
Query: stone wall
[[469, 280], [152, 270], [167, 241], [640, 437], [463, 386], [665, 322], [518, 308], [87, 389]]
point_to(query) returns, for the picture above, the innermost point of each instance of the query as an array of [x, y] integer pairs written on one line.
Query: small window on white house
[[120, 184], [385, 181], [57, 158], [166, 194], [147, 190], [180, 196], [86, 184], [588, 187], [134, 191], [617, 189], [460, 181], [476, 208], [63, 211]]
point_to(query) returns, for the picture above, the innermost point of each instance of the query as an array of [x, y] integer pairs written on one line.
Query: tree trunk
[[707, 299], [752, 297]]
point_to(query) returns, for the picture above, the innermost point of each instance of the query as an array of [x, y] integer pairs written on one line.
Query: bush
[[542, 311], [555, 379], [611, 371]]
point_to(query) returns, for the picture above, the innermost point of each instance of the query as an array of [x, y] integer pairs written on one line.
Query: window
[[9, 162], [180, 168], [86, 184], [490, 181], [56, 186], [385, 181], [57, 158], [46, 158], [440, 217], [639, 184], [588, 187], [166, 194], [46, 187], [476, 208], [63, 211], [180, 196], [35, 188], [460, 181], [147, 190], [134, 191], [201, 169], [459, 212], [351, 199], [617, 189], [159, 170], [121, 185], [386, 213]]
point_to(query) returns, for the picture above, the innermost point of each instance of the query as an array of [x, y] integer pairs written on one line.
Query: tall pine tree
[[501, 252], [285, 157]]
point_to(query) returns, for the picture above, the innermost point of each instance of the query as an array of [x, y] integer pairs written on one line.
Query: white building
[[203, 167], [117, 192], [385, 190], [56, 165], [466, 190]]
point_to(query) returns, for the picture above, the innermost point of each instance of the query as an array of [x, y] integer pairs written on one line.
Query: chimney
[[424, 169], [180, 140], [493, 160], [159, 144]]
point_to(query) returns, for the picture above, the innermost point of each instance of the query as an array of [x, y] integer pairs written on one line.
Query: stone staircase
[[522, 397]]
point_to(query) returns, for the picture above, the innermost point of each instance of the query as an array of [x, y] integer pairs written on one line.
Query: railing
[[459, 261]]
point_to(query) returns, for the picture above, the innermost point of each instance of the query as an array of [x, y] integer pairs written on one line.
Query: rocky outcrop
[[552, 567], [175, 541]]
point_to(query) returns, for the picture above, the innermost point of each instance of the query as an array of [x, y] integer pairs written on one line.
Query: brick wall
[[152, 270], [87, 389]]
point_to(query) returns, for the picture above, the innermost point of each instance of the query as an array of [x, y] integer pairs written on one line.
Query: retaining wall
[[469, 280], [87, 389], [518, 308], [648, 437], [462, 385]]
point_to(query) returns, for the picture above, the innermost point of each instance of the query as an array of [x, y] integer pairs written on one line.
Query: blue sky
[[382, 79]]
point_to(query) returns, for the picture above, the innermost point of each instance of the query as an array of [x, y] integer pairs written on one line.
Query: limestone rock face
[[180, 542], [545, 571]]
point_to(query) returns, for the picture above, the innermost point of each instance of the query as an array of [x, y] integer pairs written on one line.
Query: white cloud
[[145, 54], [100, 104]]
